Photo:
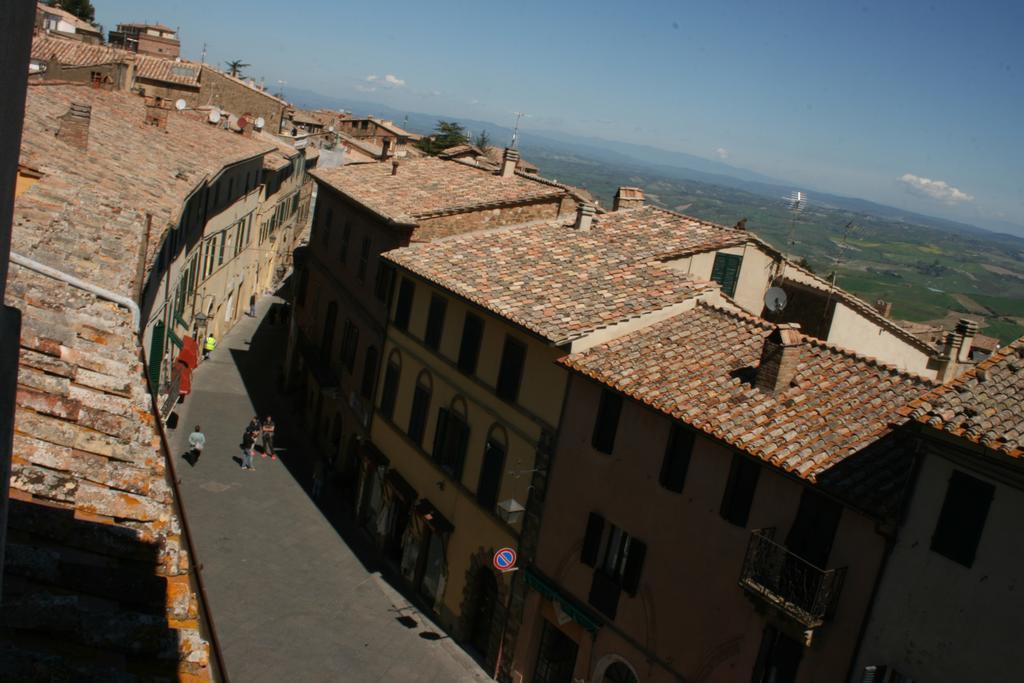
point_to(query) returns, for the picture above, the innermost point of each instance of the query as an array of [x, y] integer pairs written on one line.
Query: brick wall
[[236, 97], [445, 226]]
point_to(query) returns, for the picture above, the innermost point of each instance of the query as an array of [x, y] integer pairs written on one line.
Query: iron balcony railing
[[788, 582]]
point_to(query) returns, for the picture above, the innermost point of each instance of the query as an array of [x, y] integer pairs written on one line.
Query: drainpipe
[[32, 264]]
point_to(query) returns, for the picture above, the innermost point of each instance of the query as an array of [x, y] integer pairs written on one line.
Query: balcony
[[789, 583]]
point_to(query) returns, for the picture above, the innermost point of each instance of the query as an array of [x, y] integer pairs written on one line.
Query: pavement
[[291, 599]]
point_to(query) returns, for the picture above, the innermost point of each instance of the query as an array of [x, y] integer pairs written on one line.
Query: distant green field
[[1006, 332], [1001, 305]]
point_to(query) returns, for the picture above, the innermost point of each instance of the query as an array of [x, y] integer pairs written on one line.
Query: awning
[[434, 519], [569, 605], [401, 487]]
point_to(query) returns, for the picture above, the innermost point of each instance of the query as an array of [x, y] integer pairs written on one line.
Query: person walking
[[196, 442], [268, 438], [252, 305], [248, 443], [209, 345]]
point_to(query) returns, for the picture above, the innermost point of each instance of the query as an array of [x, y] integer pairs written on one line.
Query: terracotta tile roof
[[698, 367], [76, 53], [985, 405], [562, 283], [105, 193], [431, 187], [159, 27]]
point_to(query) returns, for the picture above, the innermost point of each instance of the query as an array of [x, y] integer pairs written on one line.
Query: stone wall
[[232, 95], [445, 226]]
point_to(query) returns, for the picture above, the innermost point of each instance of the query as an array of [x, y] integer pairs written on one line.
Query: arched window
[[420, 407], [618, 672], [390, 391], [451, 438], [349, 345], [369, 373], [495, 451]]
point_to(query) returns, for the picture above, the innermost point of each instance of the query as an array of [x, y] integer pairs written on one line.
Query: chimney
[[779, 358], [156, 116], [628, 198], [948, 357], [74, 126], [884, 307], [394, 167], [741, 224], [508, 162], [584, 216], [966, 328]]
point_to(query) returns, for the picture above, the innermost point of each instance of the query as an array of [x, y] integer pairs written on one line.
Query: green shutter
[[726, 271], [156, 355], [175, 339]]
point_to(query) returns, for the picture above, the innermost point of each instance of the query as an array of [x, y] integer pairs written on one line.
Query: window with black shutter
[[726, 272], [328, 219], [490, 472], [634, 566], [349, 345], [346, 235], [677, 458], [962, 518], [469, 348], [382, 280], [364, 259], [739, 490], [450, 441], [390, 390], [435, 322], [369, 373], [420, 406], [607, 422], [513, 358], [404, 306], [592, 539]]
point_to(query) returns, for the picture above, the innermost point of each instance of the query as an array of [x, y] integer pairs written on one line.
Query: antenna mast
[[515, 131]]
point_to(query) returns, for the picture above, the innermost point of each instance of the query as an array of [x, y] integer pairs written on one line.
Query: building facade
[[949, 601], [702, 519], [147, 39]]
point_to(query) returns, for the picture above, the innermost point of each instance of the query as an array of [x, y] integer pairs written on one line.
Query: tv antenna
[[515, 130], [796, 201]]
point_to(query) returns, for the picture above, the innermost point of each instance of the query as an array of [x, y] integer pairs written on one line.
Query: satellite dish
[[330, 129], [775, 299], [180, 105], [214, 116], [260, 123]]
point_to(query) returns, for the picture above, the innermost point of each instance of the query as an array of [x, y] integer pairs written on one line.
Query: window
[[739, 490], [327, 340], [328, 220], [607, 423], [513, 357], [726, 272], [450, 440], [382, 281], [420, 406], [349, 345], [492, 468], [617, 559], [220, 254], [390, 390], [346, 234], [469, 348], [364, 259], [677, 458], [404, 306], [962, 518], [556, 656], [435, 322], [369, 373]]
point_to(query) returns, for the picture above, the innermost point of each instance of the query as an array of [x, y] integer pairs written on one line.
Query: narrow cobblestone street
[[292, 601]]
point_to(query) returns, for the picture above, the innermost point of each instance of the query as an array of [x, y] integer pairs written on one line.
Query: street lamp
[[511, 511]]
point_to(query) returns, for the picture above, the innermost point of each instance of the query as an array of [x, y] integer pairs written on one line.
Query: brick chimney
[[156, 116], [509, 162], [948, 358], [884, 307], [394, 167], [628, 198], [74, 126], [780, 357], [966, 329], [584, 216]]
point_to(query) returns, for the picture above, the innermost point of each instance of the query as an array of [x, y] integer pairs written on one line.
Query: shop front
[[424, 564]]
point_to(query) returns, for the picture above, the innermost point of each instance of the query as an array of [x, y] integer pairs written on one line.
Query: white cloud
[[388, 81], [371, 78], [394, 80], [722, 153], [934, 189]]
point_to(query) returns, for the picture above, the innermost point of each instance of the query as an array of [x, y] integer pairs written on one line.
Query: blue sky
[[915, 104]]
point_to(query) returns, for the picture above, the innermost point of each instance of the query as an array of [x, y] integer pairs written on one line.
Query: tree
[[483, 141], [236, 66], [447, 134], [82, 9]]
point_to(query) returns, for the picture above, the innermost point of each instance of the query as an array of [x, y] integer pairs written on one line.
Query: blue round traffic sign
[[505, 559]]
